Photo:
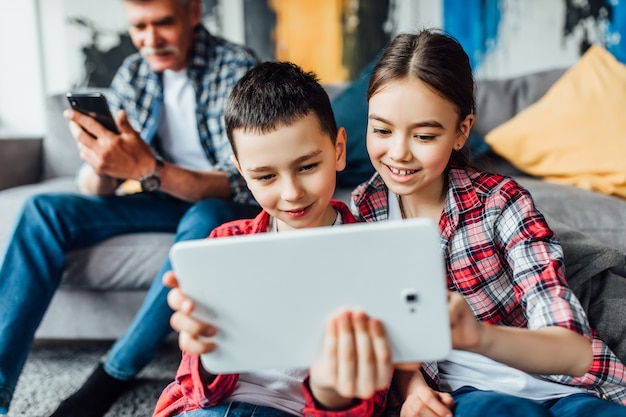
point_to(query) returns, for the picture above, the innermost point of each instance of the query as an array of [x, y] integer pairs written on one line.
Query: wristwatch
[[152, 181]]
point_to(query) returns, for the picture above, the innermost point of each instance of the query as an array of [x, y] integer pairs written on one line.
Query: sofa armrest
[[20, 161]]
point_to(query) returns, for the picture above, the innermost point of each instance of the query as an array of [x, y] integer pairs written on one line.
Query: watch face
[[150, 183]]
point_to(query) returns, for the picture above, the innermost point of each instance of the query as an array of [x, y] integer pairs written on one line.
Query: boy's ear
[[340, 149], [235, 161]]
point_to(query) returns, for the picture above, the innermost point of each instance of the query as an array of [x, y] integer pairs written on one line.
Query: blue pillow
[[477, 145], [350, 108]]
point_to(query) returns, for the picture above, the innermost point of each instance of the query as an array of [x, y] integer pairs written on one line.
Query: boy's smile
[[291, 171]]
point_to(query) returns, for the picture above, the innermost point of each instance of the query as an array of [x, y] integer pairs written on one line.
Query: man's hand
[[123, 156]]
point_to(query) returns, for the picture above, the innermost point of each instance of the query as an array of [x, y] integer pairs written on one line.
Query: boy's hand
[[193, 334], [425, 402], [355, 362]]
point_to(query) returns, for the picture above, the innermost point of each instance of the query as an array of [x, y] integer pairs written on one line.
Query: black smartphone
[[94, 105]]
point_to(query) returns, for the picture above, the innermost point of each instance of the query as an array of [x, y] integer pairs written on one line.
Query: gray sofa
[[104, 285]]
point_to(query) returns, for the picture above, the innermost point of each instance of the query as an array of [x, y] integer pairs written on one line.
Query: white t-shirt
[[465, 368], [178, 130], [277, 388]]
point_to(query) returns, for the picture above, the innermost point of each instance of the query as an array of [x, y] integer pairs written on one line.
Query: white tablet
[[270, 294]]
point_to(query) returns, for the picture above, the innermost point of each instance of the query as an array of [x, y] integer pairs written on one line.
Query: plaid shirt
[[215, 68], [503, 258], [189, 391]]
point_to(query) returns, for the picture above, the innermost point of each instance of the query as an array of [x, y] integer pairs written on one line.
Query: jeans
[[236, 409], [471, 402], [49, 226]]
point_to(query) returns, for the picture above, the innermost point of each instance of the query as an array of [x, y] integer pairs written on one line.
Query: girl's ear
[[465, 128], [236, 163], [340, 149]]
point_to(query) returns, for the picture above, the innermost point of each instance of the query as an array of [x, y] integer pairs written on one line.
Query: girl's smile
[[411, 134]]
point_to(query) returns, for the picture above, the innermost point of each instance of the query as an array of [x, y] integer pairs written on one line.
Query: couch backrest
[[60, 153], [499, 100], [496, 100]]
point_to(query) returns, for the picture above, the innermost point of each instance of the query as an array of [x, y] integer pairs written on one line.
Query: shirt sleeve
[[199, 392], [535, 257], [374, 406]]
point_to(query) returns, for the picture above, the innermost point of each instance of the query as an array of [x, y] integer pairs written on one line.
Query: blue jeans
[[471, 402], [49, 226], [236, 409]]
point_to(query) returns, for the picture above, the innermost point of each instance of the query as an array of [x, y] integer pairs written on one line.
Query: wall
[[21, 83], [40, 50]]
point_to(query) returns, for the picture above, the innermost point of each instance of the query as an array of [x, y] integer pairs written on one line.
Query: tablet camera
[[410, 298]]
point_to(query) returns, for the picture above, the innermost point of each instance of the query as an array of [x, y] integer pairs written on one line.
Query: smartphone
[[94, 105]]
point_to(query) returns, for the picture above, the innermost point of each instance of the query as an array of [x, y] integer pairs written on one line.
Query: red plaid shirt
[[503, 258], [190, 392]]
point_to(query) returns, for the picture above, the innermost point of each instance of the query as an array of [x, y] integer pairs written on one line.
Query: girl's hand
[[193, 334], [355, 362], [467, 333], [419, 399], [425, 402]]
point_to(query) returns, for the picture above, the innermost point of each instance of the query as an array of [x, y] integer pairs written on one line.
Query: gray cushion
[[497, 101], [11, 200], [123, 262], [597, 215], [20, 161]]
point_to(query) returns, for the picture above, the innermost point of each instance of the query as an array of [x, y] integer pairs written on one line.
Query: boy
[[288, 149]]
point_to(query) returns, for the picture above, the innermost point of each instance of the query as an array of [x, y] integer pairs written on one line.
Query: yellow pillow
[[576, 133]]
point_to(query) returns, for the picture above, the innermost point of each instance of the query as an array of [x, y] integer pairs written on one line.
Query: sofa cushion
[[11, 200], [20, 161], [497, 101], [575, 133], [126, 262]]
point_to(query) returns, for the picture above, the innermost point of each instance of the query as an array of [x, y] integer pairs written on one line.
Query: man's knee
[[42, 205]]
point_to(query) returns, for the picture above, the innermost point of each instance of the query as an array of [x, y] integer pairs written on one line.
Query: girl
[[522, 342]]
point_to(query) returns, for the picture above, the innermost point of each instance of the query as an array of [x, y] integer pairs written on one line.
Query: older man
[[171, 140]]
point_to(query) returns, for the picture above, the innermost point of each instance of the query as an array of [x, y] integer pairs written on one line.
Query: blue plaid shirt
[[215, 68]]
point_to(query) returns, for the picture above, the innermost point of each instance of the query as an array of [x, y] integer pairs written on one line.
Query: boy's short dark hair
[[274, 94]]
